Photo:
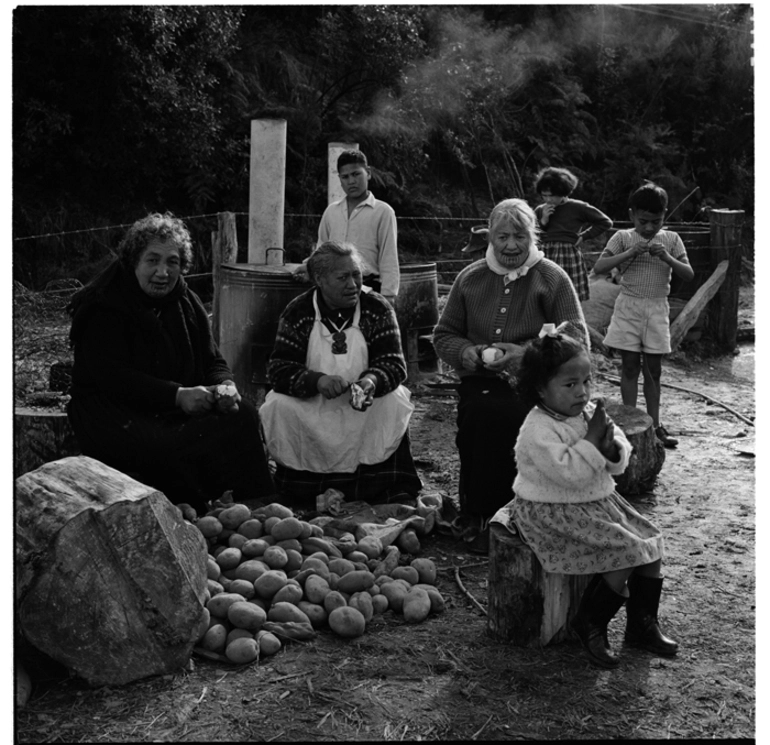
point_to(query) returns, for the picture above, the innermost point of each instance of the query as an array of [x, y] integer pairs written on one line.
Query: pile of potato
[[273, 577]]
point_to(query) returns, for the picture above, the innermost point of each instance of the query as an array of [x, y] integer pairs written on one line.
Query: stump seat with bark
[[527, 606], [647, 455], [41, 436], [110, 580]]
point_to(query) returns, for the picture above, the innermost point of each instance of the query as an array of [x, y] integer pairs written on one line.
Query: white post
[[334, 186], [267, 182]]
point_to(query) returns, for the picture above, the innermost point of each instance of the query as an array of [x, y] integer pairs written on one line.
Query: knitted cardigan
[[482, 309], [556, 464], [287, 370]]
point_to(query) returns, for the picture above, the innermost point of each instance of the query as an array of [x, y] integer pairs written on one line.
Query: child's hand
[[548, 209], [639, 248], [659, 250], [598, 426]]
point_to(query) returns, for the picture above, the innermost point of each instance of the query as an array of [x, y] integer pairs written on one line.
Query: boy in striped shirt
[[646, 256]]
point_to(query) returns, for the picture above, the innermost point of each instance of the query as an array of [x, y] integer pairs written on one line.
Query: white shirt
[[371, 228]]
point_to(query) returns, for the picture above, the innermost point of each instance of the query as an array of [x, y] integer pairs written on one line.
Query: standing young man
[[366, 222]]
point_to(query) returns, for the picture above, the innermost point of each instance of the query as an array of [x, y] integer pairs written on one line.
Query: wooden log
[[526, 605], [224, 250], [722, 314], [648, 454], [110, 580], [41, 436], [691, 312]]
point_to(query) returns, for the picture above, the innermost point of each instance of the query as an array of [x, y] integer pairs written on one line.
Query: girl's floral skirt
[[587, 538]]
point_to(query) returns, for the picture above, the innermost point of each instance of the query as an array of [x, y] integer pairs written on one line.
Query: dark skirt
[[570, 258], [489, 417], [392, 480], [189, 459]]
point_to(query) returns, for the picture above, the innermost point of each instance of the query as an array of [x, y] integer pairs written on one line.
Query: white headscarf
[[512, 275]]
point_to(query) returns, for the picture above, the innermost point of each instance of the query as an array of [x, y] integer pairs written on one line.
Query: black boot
[[642, 629], [597, 607]]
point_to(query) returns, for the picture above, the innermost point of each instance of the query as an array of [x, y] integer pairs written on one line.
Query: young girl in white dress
[[566, 507]]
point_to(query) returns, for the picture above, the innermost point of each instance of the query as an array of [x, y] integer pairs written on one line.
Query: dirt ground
[[446, 679]]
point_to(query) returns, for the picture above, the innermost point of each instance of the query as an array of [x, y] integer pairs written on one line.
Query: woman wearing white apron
[[336, 345]]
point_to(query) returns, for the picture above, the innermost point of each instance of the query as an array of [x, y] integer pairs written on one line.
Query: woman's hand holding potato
[[195, 401]]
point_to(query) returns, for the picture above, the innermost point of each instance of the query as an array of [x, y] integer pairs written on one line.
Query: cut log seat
[[41, 436], [110, 580], [526, 605], [648, 454]]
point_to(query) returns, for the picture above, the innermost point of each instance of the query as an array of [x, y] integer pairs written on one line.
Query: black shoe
[[642, 627], [665, 438], [598, 606]]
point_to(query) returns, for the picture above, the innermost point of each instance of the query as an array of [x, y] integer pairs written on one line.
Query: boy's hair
[[346, 157], [649, 197], [518, 213], [542, 359], [559, 181]]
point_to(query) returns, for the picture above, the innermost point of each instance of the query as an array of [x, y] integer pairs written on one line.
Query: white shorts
[[640, 325]]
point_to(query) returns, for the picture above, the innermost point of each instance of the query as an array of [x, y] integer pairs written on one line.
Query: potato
[[317, 566], [379, 603], [242, 651], [274, 509], [236, 540], [203, 624], [347, 622], [214, 587], [231, 517], [437, 604], [285, 528], [213, 570], [269, 523], [268, 643], [316, 588], [371, 546], [410, 574], [209, 526], [339, 566], [219, 604], [269, 583], [260, 603], [312, 544], [290, 543], [426, 569], [314, 611], [373, 590], [283, 612], [408, 542], [319, 555], [224, 536], [251, 569], [362, 601], [294, 562], [254, 547], [251, 528], [229, 558], [416, 605], [243, 587], [355, 581], [247, 616], [215, 638], [307, 530], [389, 562], [275, 557], [237, 633], [291, 592], [395, 592], [225, 582], [359, 556], [334, 599]]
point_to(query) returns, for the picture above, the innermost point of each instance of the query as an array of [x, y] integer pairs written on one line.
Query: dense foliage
[[121, 110]]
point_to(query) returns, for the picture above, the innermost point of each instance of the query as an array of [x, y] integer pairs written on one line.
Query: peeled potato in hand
[[491, 354]]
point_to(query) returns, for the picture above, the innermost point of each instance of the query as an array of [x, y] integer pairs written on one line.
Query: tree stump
[[526, 605], [110, 580], [39, 437], [648, 454]]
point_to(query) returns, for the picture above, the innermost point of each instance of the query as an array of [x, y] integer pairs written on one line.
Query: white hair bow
[[551, 329]]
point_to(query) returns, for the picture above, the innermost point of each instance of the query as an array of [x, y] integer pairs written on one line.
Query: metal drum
[[252, 298], [417, 314]]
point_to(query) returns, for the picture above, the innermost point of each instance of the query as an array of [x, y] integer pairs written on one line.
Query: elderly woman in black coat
[[151, 394]]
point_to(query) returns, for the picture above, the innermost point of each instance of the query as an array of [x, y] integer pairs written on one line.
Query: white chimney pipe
[[267, 184]]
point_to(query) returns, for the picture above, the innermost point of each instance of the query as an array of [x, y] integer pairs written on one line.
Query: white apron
[[328, 435]]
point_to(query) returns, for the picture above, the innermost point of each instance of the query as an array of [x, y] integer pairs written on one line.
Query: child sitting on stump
[[565, 505]]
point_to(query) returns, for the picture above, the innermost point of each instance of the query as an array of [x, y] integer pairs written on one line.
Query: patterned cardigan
[[287, 370]]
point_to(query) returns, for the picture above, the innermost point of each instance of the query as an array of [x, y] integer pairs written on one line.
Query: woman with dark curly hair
[[151, 394]]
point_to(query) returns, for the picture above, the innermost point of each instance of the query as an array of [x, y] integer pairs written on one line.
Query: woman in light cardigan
[[499, 301]]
